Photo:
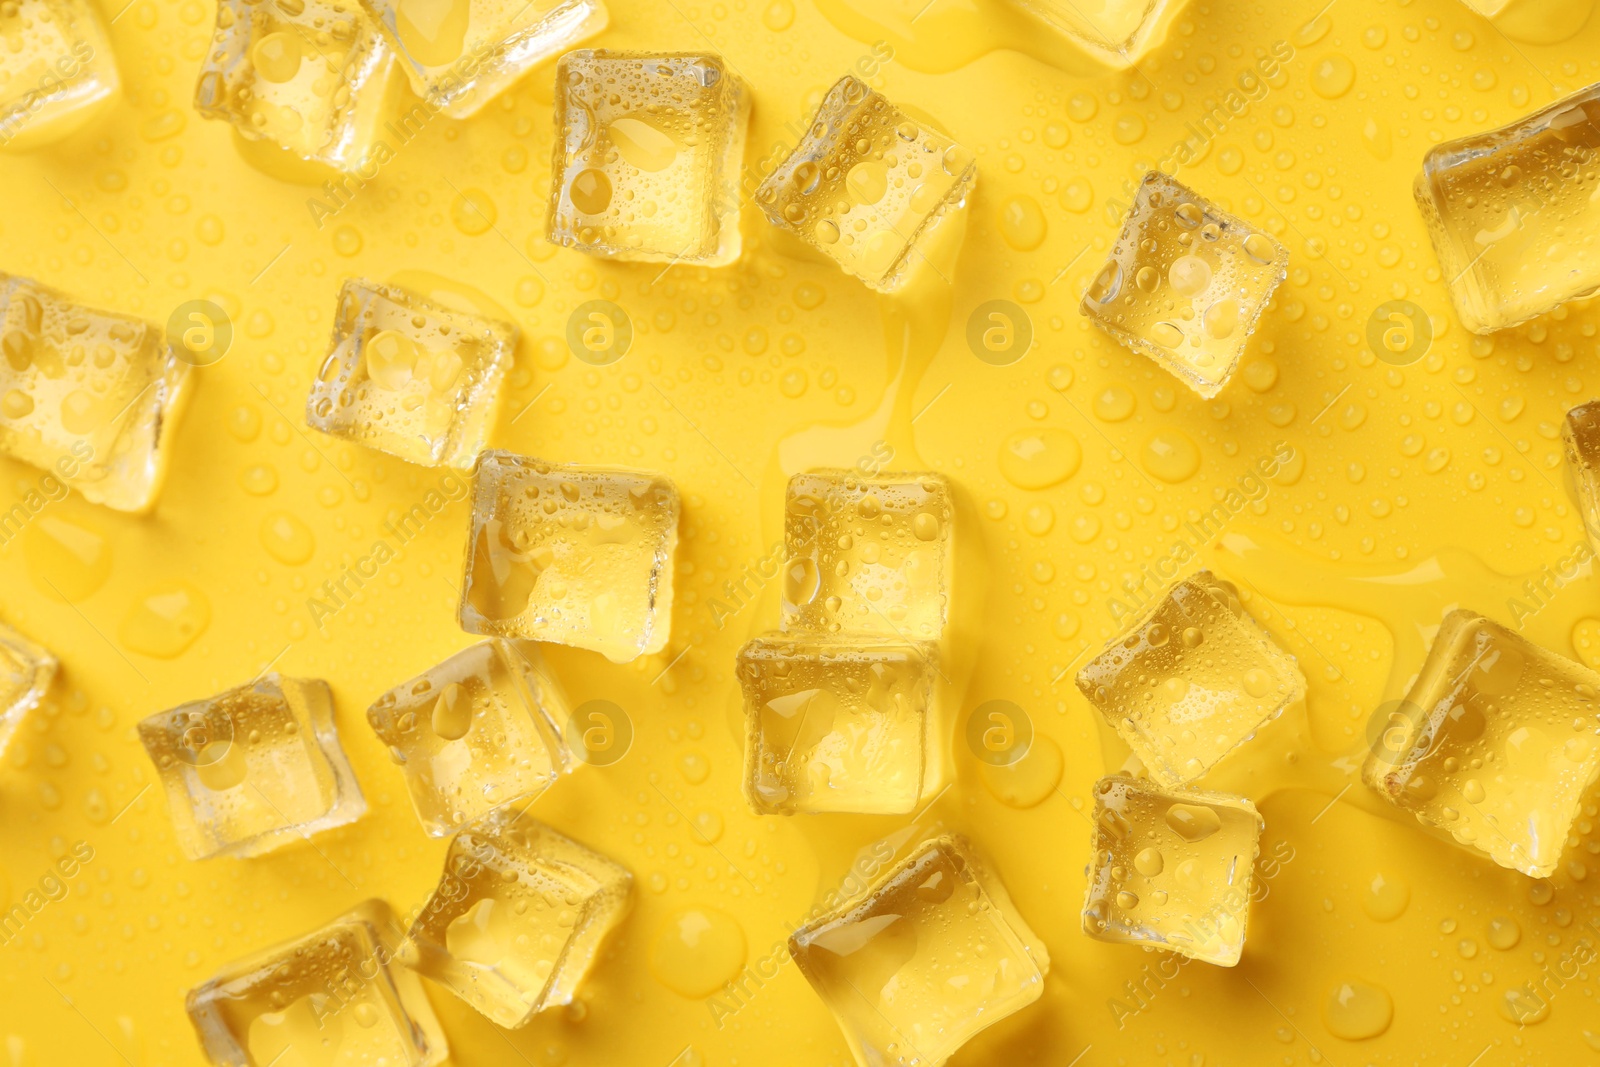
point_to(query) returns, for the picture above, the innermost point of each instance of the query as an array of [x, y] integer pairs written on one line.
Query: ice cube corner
[[26, 670]]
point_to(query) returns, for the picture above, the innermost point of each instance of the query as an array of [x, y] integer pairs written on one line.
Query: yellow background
[[1458, 451]]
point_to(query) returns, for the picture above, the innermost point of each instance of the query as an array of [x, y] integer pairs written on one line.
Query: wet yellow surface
[[1352, 499]]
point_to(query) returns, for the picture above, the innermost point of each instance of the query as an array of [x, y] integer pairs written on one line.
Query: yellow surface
[[1410, 489]]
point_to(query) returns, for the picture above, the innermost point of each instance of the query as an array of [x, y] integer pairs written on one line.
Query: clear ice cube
[[314, 77], [335, 997], [411, 377], [1494, 746], [573, 555], [518, 918], [648, 155], [92, 396], [867, 185], [26, 670], [1193, 678], [478, 731], [841, 724], [1172, 869], [254, 768], [57, 70], [868, 554], [933, 953], [1512, 213], [1186, 283], [1580, 437], [1116, 32], [460, 54]]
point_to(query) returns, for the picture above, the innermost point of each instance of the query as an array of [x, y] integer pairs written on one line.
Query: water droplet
[[166, 620], [287, 539], [778, 16], [1170, 456], [1022, 223], [452, 712], [67, 560], [1028, 781], [1038, 459], [1385, 899], [1149, 862], [1504, 933], [698, 951], [1358, 1010], [1193, 822], [1333, 76], [473, 212], [1524, 1007]]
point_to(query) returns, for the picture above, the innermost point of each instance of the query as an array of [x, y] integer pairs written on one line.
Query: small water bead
[[1149, 862]]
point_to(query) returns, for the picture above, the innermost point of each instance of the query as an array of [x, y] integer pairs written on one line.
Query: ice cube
[[1193, 678], [311, 76], [479, 730], [26, 670], [335, 997], [518, 918], [254, 768], [1116, 32], [460, 54], [648, 155], [868, 554], [868, 184], [411, 377], [57, 70], [1186, 283], [1513, 214], [850, 724], [1172, 869], [92, 396], [930, 955], [1494, 746], [1580, 436], [577, 556]]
